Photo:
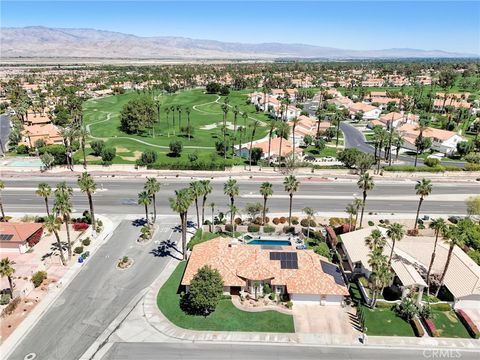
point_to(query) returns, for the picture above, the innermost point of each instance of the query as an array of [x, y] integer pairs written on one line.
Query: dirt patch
[[121, 149], [136, 155], [451, 317]]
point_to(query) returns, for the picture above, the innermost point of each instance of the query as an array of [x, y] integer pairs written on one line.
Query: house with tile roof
[[302, 274], [396, 119], [369, 112], [20, 237], [278, 148], [410, 263], [443, 141], [46, 132]]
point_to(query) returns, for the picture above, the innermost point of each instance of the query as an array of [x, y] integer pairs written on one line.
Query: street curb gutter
[[102, 340], [28, 323]]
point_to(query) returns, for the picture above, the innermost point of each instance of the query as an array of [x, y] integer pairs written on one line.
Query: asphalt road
[[4, 131], [120, 196], [97, 295], [151, 351]]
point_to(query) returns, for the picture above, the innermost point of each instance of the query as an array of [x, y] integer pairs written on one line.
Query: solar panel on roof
[[6, 236]]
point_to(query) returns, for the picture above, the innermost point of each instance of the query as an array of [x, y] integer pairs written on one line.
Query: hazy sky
[[445, 25]]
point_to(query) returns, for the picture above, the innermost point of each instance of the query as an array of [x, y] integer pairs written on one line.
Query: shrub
[[417, 328], [4, 299], [267, 289], [80, 226], [322, 249], [473, 158], [97, 147], [176, 148], [432, 162], [289, 304], [22, 149], [272, 296], [268, 229], [431, 328], [412, 232], [108, 154], [288, 229], [228, 228], [472, 167], [148, 157], [294, 220], [370, 223], [306, 223], [86, 242], [12, 305], [276, 221], [441, 307], [267, 219], [38, 277], [78, 250], [254, 228], [283, 220], [468, 323], [383, 305], [238, 221], [206, 289]]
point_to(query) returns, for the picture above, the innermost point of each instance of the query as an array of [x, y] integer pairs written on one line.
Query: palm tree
[[152, 186], [63, 207], [266, 190], [212, 208], [422, 126], [196, 191], [422, 188], [224, 128], [350, 210], [231, 189], [87, 185], [236, 111], [338, 119], [188, 111], [291, 186], [254, 126], [145, 199], [453, 236], [180, 204], [283, 130], [2, 186], [206, 190], [439, 226], [295, 122], [310, 212], [272, 125], [365, 183], [232, 209], [83, 133], [7, 270], [395, 232], [44, 190], [380, 278], [52, 225], [357, 202], [167, 111], [376, 241]]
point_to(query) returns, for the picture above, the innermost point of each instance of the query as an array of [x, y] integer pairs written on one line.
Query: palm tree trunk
[[46, 205], [290, 211], [203, 209], [449, 257], [416, 157], [84, 156], [363, 207], [418, 212], [232, 203], [69, 243], [391, 254], [92, 213], [264, 209], [269, 146], [250, 154], [356, 220], [280, 152], [10, 284], [432, 259], [183, 218], [146, 213], [154, 208], [59, 244], [198, 212]]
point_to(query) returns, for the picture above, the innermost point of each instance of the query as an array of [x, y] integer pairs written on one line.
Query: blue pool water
[[270, 242]]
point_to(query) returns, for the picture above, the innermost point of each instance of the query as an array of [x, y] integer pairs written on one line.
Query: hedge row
[[197, 165], [411, 168], [418, 328], [469, 324]]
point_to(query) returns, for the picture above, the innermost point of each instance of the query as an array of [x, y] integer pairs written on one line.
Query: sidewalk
[[29, 322]]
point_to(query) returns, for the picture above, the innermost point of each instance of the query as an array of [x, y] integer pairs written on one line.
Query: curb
[[30, 321]]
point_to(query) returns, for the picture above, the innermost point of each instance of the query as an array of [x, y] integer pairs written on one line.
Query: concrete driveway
[[316, 319]]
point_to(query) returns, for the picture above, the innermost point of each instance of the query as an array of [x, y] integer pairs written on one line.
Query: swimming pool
[[270, 242]]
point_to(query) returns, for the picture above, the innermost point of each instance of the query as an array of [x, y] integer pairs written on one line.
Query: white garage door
[[311, 298]]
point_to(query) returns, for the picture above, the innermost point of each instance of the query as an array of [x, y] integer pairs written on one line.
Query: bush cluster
[[38, 277], [81, 226]]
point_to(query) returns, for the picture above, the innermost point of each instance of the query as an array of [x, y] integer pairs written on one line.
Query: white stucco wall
[[317, 299]]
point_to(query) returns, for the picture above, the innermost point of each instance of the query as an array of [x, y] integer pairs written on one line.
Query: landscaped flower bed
[[469, 324], [432, 330], [80, 226], [417, 327]]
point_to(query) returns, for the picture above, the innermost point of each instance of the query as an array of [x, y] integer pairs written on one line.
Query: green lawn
[[226, 317], [448, 324], [326, 151], [102, 116], [380, 321], [201, 236]]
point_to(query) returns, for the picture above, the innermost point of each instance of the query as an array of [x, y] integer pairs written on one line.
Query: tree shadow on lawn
[[164, 249]]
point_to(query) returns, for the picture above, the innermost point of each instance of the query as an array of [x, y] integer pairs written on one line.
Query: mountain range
[[45, 42]]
